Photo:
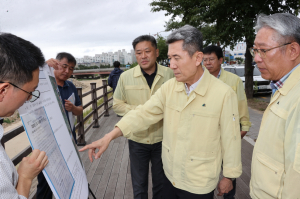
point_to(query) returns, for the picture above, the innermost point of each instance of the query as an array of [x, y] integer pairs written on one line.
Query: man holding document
[[65, 64], [19, 76]]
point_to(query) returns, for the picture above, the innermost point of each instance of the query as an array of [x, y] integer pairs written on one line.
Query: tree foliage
[[163, 49], [224, 22]]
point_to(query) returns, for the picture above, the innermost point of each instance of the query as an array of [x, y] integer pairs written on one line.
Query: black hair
[[68, 56], [18, 59], [144, 38], [213, 49], [117, 64]]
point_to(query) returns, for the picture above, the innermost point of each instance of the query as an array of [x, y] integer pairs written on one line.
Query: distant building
[[239, 50], [107, 58]]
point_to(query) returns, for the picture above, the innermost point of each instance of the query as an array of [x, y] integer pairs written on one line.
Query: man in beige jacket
[[213, 58], [135, 87], [200, 124], [275, 171]]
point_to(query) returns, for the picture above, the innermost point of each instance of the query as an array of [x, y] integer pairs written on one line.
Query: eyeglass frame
[[211, 59], [253, 53], [30, 93]]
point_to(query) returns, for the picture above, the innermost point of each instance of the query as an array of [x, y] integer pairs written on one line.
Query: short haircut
[[68, 56], [213, 49], [18, 59], [117, 64], [144, 38], [191, 36], [286, 25]]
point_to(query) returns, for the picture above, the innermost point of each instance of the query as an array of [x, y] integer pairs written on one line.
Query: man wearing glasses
[[65, 64], [19, 76], [275, 171], [212, 59]]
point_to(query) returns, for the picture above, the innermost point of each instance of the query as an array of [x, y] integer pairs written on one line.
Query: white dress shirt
[[192, 87], [8, 175]]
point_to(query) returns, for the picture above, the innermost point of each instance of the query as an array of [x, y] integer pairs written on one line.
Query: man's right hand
[[53, 63], [101, 144], [31, 166]]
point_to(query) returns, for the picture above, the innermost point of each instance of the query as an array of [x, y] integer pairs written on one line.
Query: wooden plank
[[107, 172], [120, 188], [242, 189], [128, 188], [100, 168], [111, 187]]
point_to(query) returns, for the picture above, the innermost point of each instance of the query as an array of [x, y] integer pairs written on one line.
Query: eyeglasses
[[35, 94], [209, 59], [262, 52]]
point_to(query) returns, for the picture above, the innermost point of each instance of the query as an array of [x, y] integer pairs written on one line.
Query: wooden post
[[81, 140], [94, 105], [104, 83]]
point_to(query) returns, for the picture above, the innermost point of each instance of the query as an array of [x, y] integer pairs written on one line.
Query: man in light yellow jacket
[[275, 171], [134, 88], [213, 58], [200, 124]]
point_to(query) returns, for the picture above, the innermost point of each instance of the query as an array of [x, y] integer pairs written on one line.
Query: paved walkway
[[255, 118]]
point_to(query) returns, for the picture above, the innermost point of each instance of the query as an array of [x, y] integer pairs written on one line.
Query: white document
[[41, 137], [70, 114], [48, 129]]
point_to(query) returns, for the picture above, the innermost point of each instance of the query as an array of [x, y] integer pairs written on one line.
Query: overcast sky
[[81, 27]]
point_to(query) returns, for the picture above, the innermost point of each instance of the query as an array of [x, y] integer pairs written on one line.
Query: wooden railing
[[95, 109], [81, 130]]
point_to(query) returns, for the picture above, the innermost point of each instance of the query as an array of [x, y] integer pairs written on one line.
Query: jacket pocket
[[297, 159], [200, 171], [267, 175], [167, 159], [280, 112]]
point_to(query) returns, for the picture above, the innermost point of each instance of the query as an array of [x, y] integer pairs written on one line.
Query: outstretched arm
[[101, 144]]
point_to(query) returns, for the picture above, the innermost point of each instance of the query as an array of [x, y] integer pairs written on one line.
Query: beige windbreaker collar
[[290, 82], [138, 72], [223, 75], [202, 86]]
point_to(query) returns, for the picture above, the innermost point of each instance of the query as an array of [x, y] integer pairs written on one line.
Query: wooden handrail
[[80, 119]]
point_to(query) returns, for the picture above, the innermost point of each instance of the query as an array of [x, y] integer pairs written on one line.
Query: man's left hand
[[243, 133], [69, 106], [224, 186]]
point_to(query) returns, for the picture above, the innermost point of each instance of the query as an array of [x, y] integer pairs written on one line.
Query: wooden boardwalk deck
[[109, 176]]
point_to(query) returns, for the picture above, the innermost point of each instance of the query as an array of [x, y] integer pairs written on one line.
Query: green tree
[[224, 22], [239, 60], [163, 49]]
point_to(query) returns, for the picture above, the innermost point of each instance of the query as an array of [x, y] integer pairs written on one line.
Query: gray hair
[[287, 26], [191, 36]]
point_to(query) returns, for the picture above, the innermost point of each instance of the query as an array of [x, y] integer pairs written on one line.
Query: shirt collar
[[192, 87], [138, 70], [279, 84], [66, 84], [144, 73], [219, 74]]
